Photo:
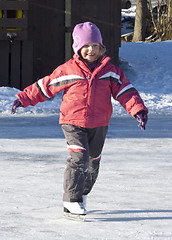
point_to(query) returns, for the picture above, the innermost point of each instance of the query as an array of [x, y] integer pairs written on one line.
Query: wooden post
[[16, 51]]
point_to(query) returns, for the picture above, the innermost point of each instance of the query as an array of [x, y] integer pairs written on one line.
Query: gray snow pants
[[85, 146]]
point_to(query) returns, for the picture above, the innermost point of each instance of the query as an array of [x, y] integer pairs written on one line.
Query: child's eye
[[95, 45]]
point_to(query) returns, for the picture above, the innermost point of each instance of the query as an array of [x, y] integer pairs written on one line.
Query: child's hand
[[142, 118], [16, 104]]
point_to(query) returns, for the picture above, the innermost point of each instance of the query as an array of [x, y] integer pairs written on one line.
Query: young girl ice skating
[[88, 80]]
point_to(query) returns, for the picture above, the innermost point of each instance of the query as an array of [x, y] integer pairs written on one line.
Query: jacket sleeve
[[42, 90], [127, 95]]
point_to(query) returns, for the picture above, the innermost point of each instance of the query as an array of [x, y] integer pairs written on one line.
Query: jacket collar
[[82, 64]]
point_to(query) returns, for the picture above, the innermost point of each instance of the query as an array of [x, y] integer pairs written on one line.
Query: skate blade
[[75, 217]]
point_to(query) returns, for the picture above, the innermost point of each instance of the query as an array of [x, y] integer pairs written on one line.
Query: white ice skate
[[75, 210]]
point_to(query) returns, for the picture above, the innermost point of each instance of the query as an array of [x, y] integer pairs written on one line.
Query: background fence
[[35, 35]]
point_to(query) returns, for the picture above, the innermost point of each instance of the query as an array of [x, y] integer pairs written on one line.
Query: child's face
[[90, 52]]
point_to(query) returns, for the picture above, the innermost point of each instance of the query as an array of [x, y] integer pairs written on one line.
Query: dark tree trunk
[[140, 21]]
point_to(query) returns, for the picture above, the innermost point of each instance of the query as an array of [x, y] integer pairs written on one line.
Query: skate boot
[[75, 211]]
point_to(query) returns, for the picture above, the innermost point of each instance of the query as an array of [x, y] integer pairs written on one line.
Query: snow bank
[[147, 66]]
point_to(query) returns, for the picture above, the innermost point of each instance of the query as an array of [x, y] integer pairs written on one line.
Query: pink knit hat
[[85, 33]]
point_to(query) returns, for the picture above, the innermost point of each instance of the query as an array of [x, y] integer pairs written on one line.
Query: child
[[88, 80]]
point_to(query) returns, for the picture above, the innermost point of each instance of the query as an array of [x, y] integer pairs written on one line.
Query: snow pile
[[146, 65], [128, 13], [7, 96], [149, 70]]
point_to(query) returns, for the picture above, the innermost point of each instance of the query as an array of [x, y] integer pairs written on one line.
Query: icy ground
[[131, 199]]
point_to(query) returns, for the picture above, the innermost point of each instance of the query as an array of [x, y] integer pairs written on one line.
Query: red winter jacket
[[87, 95]]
